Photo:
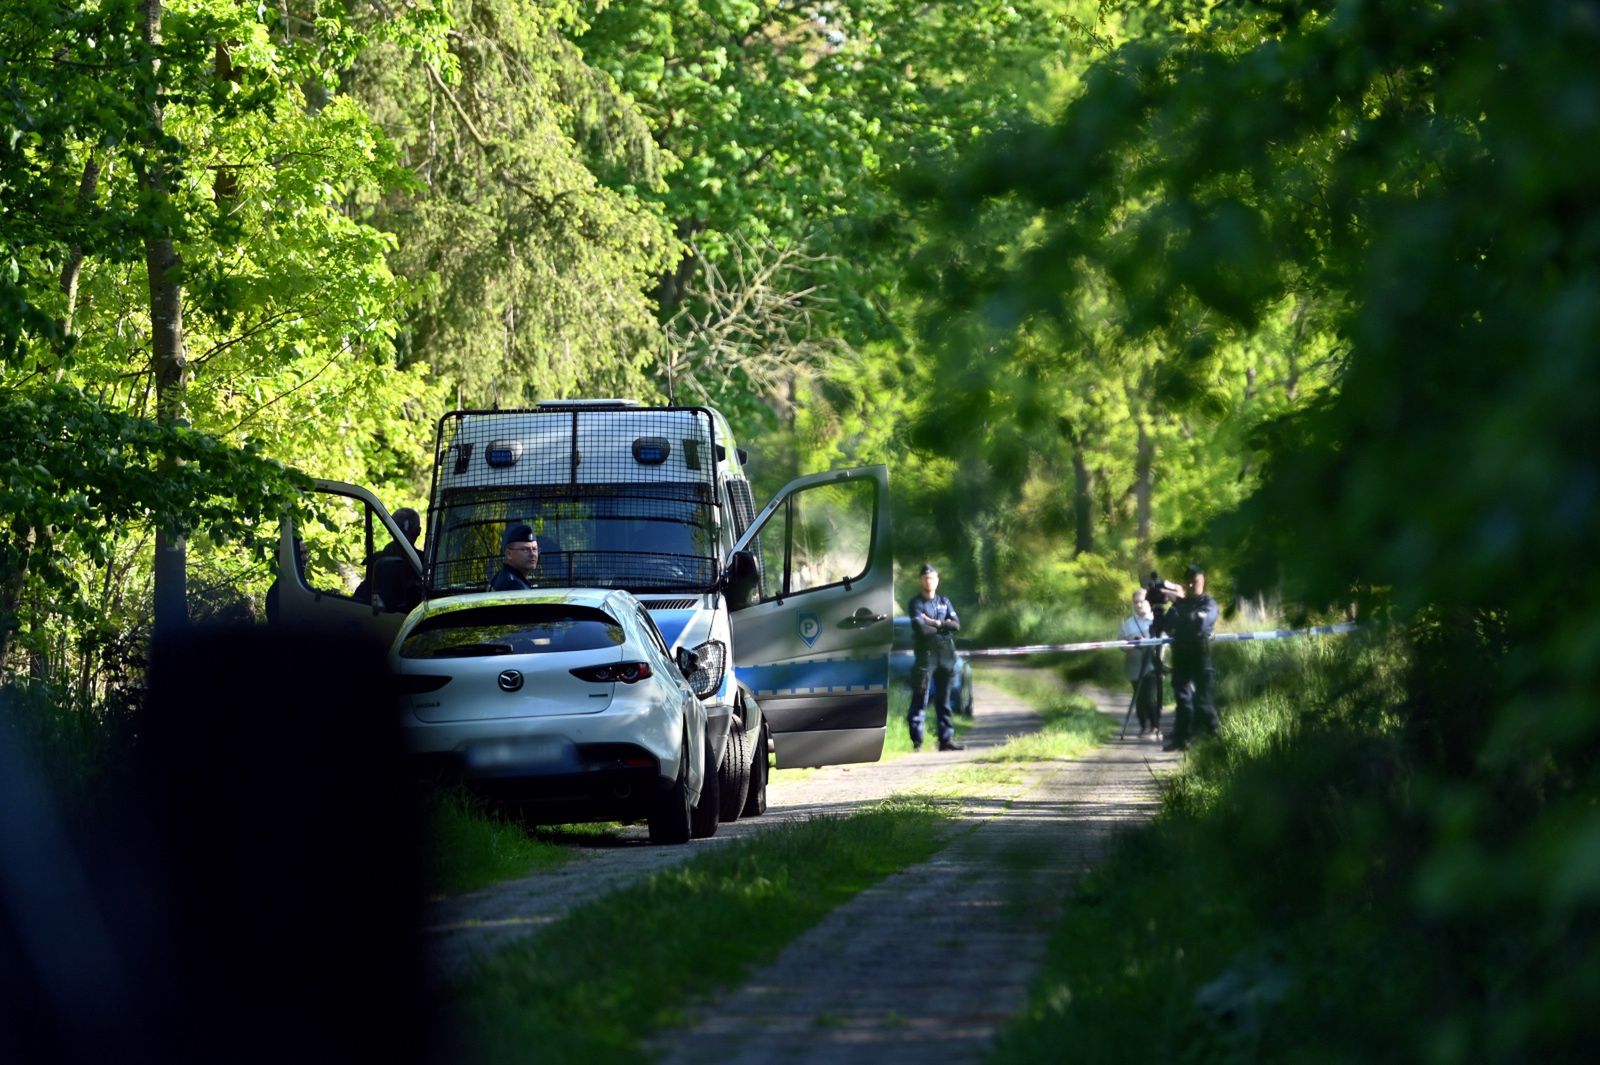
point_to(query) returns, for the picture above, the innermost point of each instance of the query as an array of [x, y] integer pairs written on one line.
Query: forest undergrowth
[[1317, 886]]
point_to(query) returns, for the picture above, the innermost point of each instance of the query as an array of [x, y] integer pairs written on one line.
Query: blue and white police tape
[[1157, 641]]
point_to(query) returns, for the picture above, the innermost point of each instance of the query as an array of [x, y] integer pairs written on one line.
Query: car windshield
[[533, 628], [642, 537], [615, 497]]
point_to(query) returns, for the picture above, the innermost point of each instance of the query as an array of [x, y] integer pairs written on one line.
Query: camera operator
[[1158, 593], [1143, 665], [1189, 623]]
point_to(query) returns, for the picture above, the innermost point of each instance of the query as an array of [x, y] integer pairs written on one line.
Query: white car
[[566, 703]]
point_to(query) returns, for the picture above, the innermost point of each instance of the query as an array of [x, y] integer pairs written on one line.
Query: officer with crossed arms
[[933, 619]]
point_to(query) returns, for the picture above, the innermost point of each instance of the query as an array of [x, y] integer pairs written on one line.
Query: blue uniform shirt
[[935, 647]]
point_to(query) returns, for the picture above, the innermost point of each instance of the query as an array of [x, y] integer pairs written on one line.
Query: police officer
[[933, 619], [389, 571], [520, 552], [1189, 622]]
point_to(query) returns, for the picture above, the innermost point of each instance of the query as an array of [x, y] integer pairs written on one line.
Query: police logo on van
[[810, 628]]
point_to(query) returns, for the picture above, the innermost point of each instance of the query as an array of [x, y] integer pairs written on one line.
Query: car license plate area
[[521, 756]]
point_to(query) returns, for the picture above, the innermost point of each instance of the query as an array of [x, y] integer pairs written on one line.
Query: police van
[[785, 610]]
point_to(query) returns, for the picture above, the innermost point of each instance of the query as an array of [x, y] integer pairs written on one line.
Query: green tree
[[533, 276], [182, 244], [785, 120], [1422, 181]]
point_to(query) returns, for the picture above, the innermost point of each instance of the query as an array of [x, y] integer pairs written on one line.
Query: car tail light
[[616, 673]]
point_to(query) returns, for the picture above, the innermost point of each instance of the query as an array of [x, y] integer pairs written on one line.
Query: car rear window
[[512, 630]]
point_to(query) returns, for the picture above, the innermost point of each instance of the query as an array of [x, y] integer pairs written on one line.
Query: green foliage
[[533, 275], [289, 310], [1420, 181], [785, 121], [1312, 892], [74, 474]]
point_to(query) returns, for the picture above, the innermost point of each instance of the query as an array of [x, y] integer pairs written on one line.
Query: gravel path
[[929, 963], [1082, 806]]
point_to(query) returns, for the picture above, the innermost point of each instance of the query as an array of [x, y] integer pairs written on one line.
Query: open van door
[[359, 576], [811, 639]]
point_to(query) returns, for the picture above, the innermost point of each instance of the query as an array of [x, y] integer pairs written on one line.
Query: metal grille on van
[[618, 497]]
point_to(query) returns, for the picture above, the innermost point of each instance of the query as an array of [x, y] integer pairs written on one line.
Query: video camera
[[1159, 592]]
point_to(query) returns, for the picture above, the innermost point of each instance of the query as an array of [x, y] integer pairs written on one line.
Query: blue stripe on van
[[670, 622], [819, 677]]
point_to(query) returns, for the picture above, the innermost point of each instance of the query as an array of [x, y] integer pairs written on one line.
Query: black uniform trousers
[[1147, 693], [921, 674], [1196, 709]]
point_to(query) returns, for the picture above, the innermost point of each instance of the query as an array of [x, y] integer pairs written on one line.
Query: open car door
[[357, 574], [812, 639]]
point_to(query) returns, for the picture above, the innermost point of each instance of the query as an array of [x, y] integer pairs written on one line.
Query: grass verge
[[592, 986], [471, 846]]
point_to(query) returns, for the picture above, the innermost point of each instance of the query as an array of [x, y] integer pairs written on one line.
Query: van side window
[[341, 542], [820, 537]]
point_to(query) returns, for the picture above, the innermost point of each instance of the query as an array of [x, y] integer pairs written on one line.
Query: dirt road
[[932, 959]]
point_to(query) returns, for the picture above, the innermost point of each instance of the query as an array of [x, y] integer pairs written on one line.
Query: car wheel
[[755, 801], [703, 820], [670, 817], [735, 773]]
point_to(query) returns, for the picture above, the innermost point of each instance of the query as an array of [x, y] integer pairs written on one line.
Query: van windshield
[[643, 537]]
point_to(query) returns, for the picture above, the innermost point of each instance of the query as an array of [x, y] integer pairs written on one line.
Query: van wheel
[[670, 815], [703, 819], [755, 801], [735, 773]]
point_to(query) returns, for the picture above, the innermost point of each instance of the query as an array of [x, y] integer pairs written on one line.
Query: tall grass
[[469, 845], [1267, 914], [76, 747]]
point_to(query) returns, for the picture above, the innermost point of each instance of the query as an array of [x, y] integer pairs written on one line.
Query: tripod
[[1151, 674]]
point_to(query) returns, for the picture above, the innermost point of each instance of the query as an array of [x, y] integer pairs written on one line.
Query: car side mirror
[[688, 662], [741, 579]]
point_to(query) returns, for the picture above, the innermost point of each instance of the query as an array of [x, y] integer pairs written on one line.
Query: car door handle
[[862, 618]]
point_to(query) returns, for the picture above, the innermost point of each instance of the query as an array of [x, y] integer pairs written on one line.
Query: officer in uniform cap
[[933, 619], [520, 550], [1189, 622]]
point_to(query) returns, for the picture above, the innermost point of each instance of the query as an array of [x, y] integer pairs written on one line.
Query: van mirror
[[741, 580], [688, 662]]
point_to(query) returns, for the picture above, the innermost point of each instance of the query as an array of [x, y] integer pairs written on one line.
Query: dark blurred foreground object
[[250, 893]]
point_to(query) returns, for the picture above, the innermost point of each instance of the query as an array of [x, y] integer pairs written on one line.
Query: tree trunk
[[1143, 464], [15, 551], [673, 287], [73, 269], [166, 333], [1082, 502]]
